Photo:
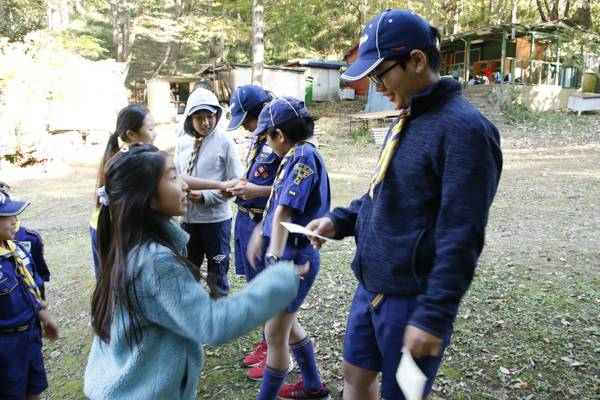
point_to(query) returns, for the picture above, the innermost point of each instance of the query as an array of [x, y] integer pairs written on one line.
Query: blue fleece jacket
[[176, 318], [423, 231]]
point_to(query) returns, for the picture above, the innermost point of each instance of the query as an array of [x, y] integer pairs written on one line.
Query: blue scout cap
[[280, 110], [244, 99], [202, 107], [9, 208], [392, 33]]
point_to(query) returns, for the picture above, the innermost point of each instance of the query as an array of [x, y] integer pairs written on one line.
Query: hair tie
[[103, 196], [125, 149]]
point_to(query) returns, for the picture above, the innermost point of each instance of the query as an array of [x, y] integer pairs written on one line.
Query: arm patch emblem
[[302, 171]]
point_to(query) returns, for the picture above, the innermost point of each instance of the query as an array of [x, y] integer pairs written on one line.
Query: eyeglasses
[[377, 78]]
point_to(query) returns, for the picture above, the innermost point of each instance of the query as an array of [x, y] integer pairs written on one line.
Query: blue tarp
[[377, 102]]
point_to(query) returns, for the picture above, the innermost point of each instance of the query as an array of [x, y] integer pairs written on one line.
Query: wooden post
[[503, 58], [556, 79], [531, 58], [467, 60]]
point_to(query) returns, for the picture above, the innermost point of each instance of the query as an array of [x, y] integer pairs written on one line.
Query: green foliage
[[19, 17], [361, 134]]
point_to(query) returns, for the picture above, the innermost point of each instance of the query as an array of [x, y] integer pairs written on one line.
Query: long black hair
[[130, 118], [128, 224]]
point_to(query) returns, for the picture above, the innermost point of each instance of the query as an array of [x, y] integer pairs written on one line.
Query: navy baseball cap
[[280, 110], [244, 99], [9, 208], [391, 33], [202, 107]]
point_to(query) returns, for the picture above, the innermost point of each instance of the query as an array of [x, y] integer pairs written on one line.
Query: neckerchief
[[253, 152], [20, 268], [388, 151], [287, 157], [194, 156]]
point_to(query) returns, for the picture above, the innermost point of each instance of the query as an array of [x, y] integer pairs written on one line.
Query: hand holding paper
[[410, 377], [295, 228]]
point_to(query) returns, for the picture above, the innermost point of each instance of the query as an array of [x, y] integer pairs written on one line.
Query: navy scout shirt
[[303, 184], [262, 172], [18, 306]]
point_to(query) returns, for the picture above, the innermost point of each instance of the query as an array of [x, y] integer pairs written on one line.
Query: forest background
[[166, 37]]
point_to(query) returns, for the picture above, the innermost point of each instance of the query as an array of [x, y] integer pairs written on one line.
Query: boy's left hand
[[51, 330], [196, 196]]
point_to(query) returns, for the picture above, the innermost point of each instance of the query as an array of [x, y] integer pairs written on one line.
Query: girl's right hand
[[254, 249], [302, 269]]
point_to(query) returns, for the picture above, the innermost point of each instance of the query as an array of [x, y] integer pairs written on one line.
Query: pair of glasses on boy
[[376, 79]]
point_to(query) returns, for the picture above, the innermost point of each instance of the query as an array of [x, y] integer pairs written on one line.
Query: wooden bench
[[378, 135], [583, 102]]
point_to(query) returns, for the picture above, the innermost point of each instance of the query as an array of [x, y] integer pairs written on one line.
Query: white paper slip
[[410, 377], [295, 228]]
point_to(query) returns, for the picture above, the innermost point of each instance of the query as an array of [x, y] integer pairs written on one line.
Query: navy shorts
[[374, 339], [300, 254], [244, 226], [22, 371]]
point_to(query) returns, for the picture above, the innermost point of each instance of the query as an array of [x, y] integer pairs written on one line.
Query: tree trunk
[[127, 54], [490, 12], [126, 28], [175, 45], [163, 61], [116, 33], [567, 6], [513, 15], [583, 15], [542, 15], [78, 7], [258, 46], [174, 58], [64, 15], [500, 10]]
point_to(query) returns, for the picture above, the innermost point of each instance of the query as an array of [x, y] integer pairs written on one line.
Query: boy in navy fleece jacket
[[420, 228]]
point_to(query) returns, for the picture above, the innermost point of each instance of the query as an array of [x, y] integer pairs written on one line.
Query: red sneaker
[[257, 355], [298, 391], [256, 373]]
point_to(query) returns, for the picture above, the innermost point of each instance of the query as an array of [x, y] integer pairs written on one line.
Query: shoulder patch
[[302, 171]]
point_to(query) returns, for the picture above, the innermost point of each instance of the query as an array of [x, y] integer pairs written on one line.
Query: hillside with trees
[[160, 37]]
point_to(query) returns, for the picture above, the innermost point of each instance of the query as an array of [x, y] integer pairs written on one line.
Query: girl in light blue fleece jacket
[[150, 313]]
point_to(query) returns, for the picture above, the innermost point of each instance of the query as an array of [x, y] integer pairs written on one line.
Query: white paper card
[[295, 228], [410, 377]]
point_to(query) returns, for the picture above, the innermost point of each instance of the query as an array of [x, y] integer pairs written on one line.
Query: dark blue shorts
[[300, 254], [244, 226], [374, 339], [22, 371]]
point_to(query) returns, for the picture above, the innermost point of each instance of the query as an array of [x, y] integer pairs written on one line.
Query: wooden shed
[[361, 87], [167, 97], [326, 75], [282, 81]]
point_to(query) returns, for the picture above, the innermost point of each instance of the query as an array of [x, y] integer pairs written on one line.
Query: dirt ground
[[527, 329]]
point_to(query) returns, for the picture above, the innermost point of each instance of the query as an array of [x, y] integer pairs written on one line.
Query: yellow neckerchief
[[288, 155], [253, 152], [20, 268], [388, 151], [194, 156]]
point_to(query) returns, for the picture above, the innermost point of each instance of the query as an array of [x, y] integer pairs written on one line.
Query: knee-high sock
[[271, 383], [305, 357]]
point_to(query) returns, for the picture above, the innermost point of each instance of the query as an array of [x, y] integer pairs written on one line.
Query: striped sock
[[305, 357], [271, 383]]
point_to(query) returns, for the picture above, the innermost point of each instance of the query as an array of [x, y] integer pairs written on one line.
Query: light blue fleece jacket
[[177, 318]]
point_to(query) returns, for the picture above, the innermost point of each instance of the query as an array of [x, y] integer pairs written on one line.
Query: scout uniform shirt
[[33, 243], [302, 184], [261, 172], [18, 306]]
